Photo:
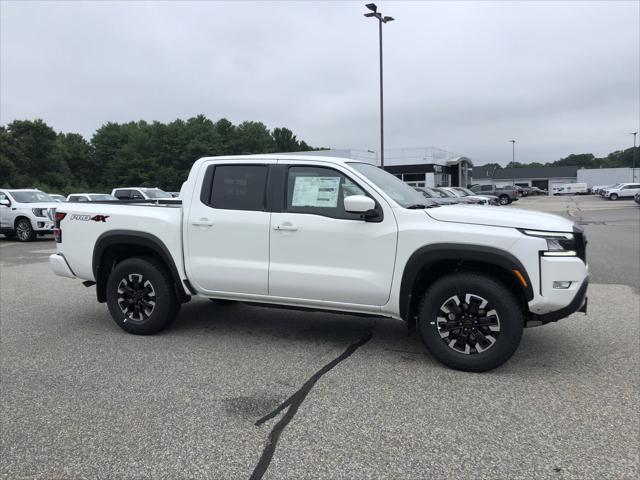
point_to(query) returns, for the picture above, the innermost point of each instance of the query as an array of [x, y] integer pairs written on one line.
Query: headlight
[[39, 212], [559, 244]]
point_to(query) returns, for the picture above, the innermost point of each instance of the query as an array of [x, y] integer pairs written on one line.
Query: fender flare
[[428, 255], [143, 239]]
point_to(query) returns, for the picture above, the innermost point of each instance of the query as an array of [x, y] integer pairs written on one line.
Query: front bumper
[[578, 304], [42, 226], [60, 266]]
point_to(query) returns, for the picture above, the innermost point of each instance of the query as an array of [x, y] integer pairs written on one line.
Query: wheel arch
[[431, 262], [114, 246], [21, 216]]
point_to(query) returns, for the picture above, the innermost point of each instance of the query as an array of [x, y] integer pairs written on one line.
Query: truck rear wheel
[[469, 321], [141, 296]]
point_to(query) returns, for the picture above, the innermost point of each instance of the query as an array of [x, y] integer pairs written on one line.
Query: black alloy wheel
[[468, 325]]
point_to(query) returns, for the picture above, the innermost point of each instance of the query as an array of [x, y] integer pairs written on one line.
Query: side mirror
[[363, 205], [5, 202]]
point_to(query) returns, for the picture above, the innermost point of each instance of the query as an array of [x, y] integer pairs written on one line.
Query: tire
[[141, 296], [614, 196], [487, 346], [504, 200], [223, 301], [24, 231]]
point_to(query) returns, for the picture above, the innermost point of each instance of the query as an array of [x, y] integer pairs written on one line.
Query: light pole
[[375, 14], [633, 168], [513, 152]]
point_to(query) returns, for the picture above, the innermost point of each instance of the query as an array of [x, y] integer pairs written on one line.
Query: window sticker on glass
[[316, 192]]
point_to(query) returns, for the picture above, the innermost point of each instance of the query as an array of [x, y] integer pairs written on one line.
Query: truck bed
[[85, 223]]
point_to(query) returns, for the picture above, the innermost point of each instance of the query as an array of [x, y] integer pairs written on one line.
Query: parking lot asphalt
[[81, 398]]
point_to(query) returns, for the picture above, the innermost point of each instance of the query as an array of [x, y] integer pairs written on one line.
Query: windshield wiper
[[416, 206]]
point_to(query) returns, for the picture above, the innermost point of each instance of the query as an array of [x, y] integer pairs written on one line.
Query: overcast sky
[[559, 78]]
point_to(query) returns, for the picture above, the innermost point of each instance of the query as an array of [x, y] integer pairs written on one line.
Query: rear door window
[[238, 187]]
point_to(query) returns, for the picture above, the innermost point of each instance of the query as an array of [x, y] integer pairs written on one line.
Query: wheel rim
[[504, 200], [23, 231], [136, 298], [468, 324]]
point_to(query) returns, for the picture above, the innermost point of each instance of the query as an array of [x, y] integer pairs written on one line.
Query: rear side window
[[122, 194], [485, 188], [238, 187]]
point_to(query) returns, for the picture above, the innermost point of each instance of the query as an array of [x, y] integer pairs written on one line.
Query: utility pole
[[375, 14]]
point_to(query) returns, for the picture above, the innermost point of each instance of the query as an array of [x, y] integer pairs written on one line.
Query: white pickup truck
[[329, 234]]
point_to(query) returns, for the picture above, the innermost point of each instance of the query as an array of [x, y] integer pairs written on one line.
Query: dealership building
[[546, 178], [432, 167]]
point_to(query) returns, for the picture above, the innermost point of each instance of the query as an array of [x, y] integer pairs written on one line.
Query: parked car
[[624, 190], [636, 198], [522, 191], [603, 191], [573, 189], [480, 199], [26, 213], [438, 198], [303, 231], [505, 195], [140, 193], [58, 198], [538, 191], [459, 198], [90, 197]]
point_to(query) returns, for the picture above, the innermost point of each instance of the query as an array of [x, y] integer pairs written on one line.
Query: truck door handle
[[203, 222], [286, 226]]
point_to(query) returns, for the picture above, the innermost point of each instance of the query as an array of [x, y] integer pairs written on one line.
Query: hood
[[40, 205], [501, 217]]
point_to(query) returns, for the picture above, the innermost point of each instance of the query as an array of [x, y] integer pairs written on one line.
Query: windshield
[[31, 197], [454, 192], [435, 193], [464, 191], [400, 192], [156, 193], [102, 196]]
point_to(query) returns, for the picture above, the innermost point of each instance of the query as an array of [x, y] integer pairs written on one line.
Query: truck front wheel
[[24, 231], [504, 199], [471, 322], [141, 296]]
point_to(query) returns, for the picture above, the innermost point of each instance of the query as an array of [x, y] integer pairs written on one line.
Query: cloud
[[465, 76]]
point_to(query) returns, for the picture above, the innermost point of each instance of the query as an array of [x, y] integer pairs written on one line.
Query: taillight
[[57, 231]]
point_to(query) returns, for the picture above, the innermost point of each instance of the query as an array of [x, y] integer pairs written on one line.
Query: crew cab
[[26, 213], [329, 234]]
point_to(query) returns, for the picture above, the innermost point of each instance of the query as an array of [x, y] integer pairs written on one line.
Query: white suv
[[623, 190], [26, 213]]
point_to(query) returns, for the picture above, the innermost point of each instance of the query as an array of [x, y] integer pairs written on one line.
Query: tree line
[[32, 154], [617, 159]]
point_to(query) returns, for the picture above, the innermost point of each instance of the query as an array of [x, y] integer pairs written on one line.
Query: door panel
[[325, 257], [228, 248]]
